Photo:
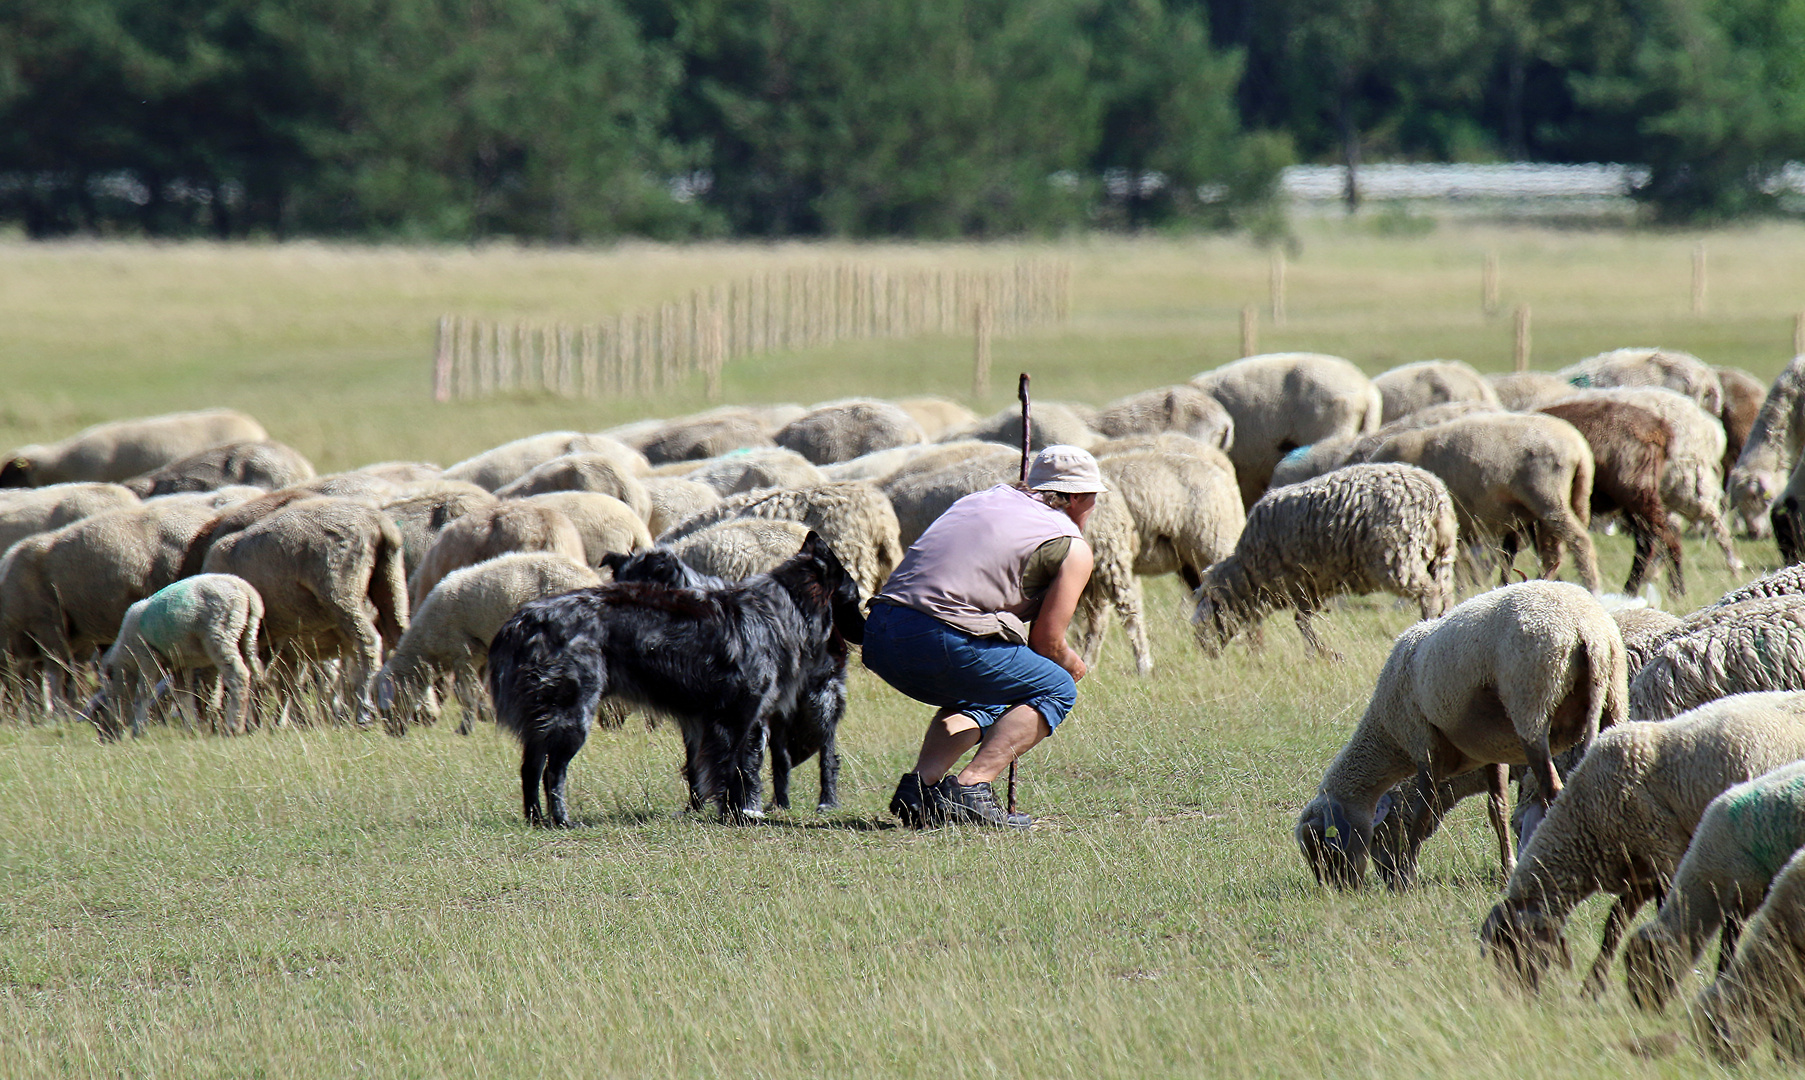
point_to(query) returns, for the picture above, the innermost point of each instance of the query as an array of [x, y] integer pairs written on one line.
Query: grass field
[[326, 902]]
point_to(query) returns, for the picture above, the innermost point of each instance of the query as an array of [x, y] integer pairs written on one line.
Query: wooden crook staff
[[1021, 392]]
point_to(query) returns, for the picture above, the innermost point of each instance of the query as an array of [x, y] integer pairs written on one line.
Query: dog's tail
[[537, 681]]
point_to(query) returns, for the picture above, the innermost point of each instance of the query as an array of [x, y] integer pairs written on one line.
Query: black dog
[[807, 729], [721, 662]]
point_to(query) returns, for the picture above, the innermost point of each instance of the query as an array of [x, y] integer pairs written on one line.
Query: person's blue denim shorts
[[983, 678]]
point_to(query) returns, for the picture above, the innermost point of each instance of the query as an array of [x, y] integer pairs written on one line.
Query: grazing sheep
[[701, 437], [367, 487], [488, 531], [1307, 462], [843, 430], [1692, 485], [1786, 517], [508, 462], [1750, 646], [1358, 530], [1786, 581], [606, 524], [1512, 676], [406, 474], [1680, 372], [1743, 397], [921, 495], [853, 516], [937, 415], [1183, 409], [1282, 401], [1050, 423], [1629, 454], [34, 510], [1188, 513], [447, 639], [1761, 994], [1409, 387], [234, 519], [1624, 819], [1744, 838], [738, 549], [421, 518], [675, 498], [263, 464], [754, 470], [1772, 448], [330, 574], [124, 448], [880, 465], [205, 621], [1527, 391], [1510, 474], [582, 472], [1644, 629]]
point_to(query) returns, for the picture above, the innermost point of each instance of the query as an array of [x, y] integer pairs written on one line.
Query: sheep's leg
[[1498, 805], [1091, 608], [1713, 520], [1303, 615], [468, 703], [1622, 911], [1640, 559], [1130, 607], [1727, 938], [1507, 548]]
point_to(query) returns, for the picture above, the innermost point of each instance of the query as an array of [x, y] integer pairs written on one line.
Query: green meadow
[[322, 901]]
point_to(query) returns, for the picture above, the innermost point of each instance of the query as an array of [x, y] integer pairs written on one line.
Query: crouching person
[[974, 621]]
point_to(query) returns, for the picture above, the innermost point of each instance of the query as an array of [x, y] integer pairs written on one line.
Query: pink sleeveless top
[[966, 570]]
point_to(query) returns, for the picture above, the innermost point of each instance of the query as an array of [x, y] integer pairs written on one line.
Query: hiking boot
[[911, 802], [976, 804]]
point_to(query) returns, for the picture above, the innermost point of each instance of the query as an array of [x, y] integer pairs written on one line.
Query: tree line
[[577, 120]]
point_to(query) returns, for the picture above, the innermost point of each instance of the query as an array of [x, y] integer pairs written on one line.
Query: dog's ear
[[614, 560]]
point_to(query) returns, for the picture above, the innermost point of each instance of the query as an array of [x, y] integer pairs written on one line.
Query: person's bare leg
[[1014, 734], [950, 734]]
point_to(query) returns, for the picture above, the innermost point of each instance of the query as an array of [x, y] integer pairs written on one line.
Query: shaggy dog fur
[[722, 663]]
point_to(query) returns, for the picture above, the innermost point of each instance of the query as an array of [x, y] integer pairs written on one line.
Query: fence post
[[1698, 278], [1249, 331], [980, 369], [1488, 289], [1521, 353], [1277, 288]]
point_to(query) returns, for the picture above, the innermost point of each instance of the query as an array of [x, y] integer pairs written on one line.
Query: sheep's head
[[1395, 843], [1753, 494], [1721, 1026], [1523, 942], [1333, 845], [16, 473], [1213, 622], [1652, 963]]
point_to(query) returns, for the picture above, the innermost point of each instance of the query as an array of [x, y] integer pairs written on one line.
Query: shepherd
[[974, 622]]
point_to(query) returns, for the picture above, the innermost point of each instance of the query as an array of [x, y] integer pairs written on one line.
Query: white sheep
[[1772, 449], [936, 415], [1671, 369], [1512, 676], [1624, 819], [1745, 647], [447, 639], [1311, 461], [605, 523], [843, 430], [205, 621], [880, 465], [262, 463], [509, 462], [582, 472], [1786, 581], [1744, 838], [1183, 410], [1409, 387], [488, 531], [738, 549], [122, 449], [1527, 391], [1281, 401], [752, 470], [1050, 422], [1761, 994], [1187, 511], [422, 517], [705, 436], [25, 511], [1643, 628], [675, 498], [1358, 530]]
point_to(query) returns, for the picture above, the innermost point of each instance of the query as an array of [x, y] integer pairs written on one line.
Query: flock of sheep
[[189, 565]]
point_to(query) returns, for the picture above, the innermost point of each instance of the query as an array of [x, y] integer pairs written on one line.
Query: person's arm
[[1047, 635]]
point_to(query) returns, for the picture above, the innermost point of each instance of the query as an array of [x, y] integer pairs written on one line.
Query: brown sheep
[[1629, 448], [509, 525]]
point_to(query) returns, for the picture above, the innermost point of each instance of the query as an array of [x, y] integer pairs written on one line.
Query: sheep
[[205, 621], [509, 462], [330, 574], [406, 474], [1786, 581], [488, 531], [1512, 676], [605, 523], [696, 438], [1409, 387], [1624, 819], [920, 495], [842, 430], [1050, 422], [1785, 517], [581, 472], [1629, 454], [1282, 401], [1762, 991], [1510, 473], [447, 639], [1743, 397], [1750, 646], [1644, 629], [937, 415], [35, 510], [1743, 839], [1183, 409], [235, 519], [675, 498], [753, 470], [1692, 484], [1311, 461], [1527, 391], [738, 549], [1772, 448], [853, 516], [421, 518], [265, 464], [124, 448], [1361, 529], [1680, 372], [880, 465], [1188, 513]]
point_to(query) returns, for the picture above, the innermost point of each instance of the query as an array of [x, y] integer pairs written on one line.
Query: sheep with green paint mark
[[206, 621], [1761, 994]]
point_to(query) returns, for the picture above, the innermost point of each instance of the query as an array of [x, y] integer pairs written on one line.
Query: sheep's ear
[[1384, 808], [1338, 831]]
